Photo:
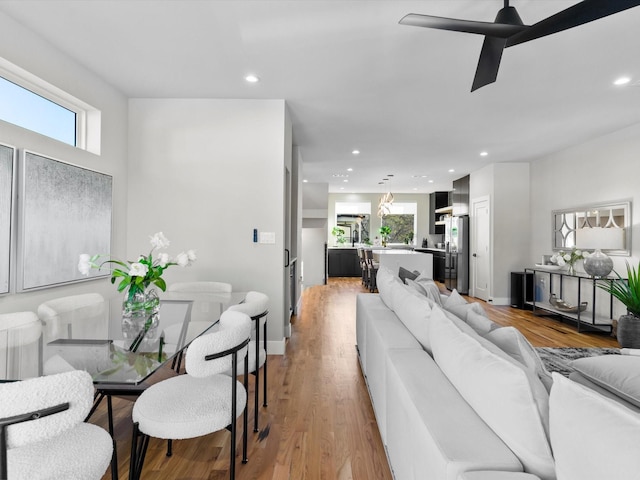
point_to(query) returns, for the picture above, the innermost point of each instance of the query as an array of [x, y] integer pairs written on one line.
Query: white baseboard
[[276, 347]]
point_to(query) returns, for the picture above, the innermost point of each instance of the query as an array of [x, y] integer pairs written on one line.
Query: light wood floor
[[319, 423]]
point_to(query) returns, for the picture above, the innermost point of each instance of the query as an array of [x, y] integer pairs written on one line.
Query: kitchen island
[[393, 259]]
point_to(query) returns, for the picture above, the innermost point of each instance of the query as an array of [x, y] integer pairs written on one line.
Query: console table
[[588, 319]]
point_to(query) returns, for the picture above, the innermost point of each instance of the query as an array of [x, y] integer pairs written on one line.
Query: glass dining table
[[90, 338]]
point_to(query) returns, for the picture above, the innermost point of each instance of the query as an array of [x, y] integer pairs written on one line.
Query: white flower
[[192, 255], [158, 240], [84, 264], [579, 253], [163, 259], [138, 270], [586, 254], [182, 259], [560, 261], [566, 257]]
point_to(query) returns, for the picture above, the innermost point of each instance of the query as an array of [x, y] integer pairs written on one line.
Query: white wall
[[207, 172], [507, 185], [603, 170], [30, 52], [313, 241]]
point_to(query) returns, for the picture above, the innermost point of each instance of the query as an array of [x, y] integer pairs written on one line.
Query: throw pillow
[[454, 299], [403, 274], [414, 311], [479, 322], [593, 437], [463, 310], [386, 282], [619, 374], [503, 393], [512, 342]]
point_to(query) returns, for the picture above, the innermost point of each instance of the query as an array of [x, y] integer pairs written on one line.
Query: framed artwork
[[65, 210], [7, 192]]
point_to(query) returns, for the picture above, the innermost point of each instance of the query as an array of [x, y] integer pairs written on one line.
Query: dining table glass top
[[90, 338]]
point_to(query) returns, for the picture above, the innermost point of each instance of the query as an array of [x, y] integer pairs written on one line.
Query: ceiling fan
[[508, 30]]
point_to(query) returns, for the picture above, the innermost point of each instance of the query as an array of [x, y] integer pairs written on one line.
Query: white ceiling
[[354, 78]]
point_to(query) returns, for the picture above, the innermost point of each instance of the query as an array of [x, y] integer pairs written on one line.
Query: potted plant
[[385, 231], [628, 292], [339, 234]]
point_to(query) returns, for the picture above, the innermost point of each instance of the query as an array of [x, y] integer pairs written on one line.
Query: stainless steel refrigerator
[[456, 238]]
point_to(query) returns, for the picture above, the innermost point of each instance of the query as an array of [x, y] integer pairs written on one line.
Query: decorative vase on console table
[[141, 306], [628, 292], [598, 264]]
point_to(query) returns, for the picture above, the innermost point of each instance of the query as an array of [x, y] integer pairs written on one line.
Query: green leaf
[[160, 283]]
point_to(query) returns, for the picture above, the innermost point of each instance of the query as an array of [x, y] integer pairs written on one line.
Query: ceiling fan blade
[[578, 14], [490, 56], [501, 30]]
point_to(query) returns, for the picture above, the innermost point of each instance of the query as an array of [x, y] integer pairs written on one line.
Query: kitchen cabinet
[[461, 196], [439, 205], [438, 262], [344, 262]]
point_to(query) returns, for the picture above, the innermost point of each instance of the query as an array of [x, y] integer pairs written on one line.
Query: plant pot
[[629, 331]]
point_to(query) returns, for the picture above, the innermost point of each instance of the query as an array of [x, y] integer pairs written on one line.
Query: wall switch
[[267, 237]]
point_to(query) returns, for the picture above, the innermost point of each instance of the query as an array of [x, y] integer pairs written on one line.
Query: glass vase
[[598, 264], [140, 317], [572, 269]]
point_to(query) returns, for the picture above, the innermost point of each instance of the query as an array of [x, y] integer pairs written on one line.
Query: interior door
[[481, 248]]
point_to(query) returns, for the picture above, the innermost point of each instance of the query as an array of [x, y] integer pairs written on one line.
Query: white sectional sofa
[[457, 397]]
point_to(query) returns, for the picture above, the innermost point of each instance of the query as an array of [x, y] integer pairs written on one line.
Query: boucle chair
[[195, 288], [201, 402], [20, 345], [75, 316], [42, 430], [256, 305]]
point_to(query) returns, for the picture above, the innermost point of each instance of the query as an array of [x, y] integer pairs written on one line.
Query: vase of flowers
[[141, 305], [569, 259]]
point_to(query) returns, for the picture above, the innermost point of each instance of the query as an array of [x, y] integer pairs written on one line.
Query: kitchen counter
[[429, 250], [393, 259]]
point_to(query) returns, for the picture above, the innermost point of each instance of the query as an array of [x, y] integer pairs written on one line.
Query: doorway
[[481, 248]]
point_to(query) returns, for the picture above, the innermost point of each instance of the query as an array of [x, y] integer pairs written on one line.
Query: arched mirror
[[607, 227]]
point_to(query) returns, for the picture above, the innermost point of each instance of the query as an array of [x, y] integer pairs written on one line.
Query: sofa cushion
[[403, 274], [387, 282], [511, 400], [619, 374], [432, 432], [593, 437], [454, 299], [512, 342], [414, 311], [415, 286], [480, 323], [496, 475]]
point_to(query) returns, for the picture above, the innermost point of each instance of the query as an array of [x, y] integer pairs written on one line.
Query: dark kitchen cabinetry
[[438, 266], [439, 205], [344, 262], [461, 196]]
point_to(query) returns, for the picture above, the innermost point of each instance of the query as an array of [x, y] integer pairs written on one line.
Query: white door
[[480, 248]]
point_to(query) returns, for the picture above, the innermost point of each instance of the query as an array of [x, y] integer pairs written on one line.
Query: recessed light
[[305, 181], [430, 181], [252, 79], [415, 189], [451, 170], [484, 154], [346, 181], [349, 169], [341, 188], [622, 81], [355, 152], [340, 175]]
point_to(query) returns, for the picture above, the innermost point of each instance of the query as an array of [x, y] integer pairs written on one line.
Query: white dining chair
[[75, 316], [256, 305], [201, 402], [42, 430], [20, 345]]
